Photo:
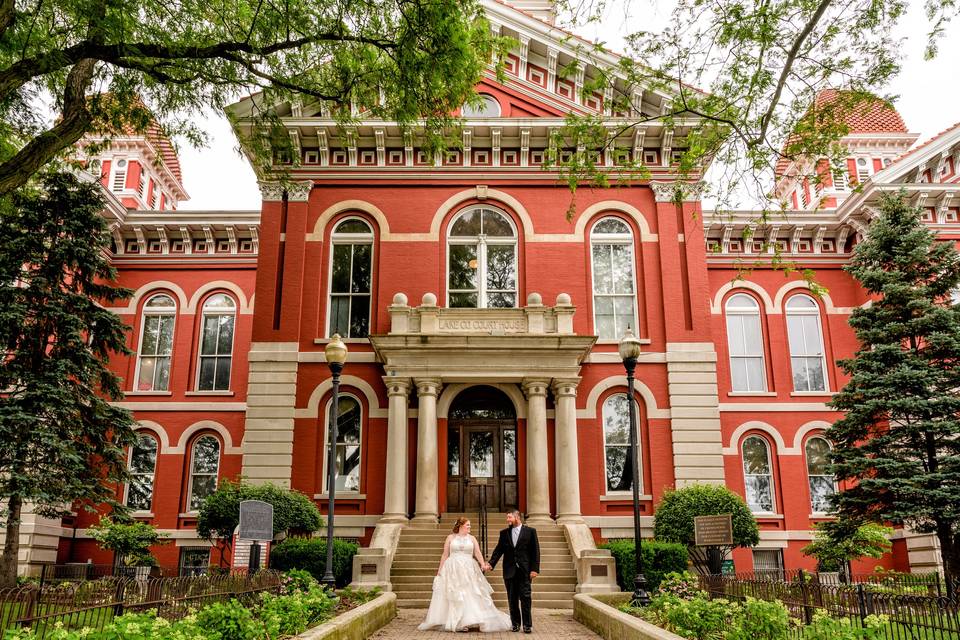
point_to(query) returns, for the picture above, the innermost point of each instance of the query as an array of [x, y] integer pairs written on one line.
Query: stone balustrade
[[430, 319]]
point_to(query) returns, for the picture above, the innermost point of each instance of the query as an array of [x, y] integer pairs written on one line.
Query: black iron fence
[[75, 572], [95, 602], [929, 584], [901, 615]]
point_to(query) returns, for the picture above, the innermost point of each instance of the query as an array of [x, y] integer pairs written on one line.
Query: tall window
[[348, 445], [204, 469], [142, 467], [758, 475], [614, 293], [822, 484], [745, 341], [156, 344], [482, 260], [806, 344], [351, 274], [616, 443], [216, 343]]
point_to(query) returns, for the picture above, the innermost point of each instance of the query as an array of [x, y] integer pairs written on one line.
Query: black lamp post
[[629, 352], [336, 353]]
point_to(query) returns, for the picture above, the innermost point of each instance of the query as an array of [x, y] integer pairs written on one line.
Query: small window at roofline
[[489, 108]]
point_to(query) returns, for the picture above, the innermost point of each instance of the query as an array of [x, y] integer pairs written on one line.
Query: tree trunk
[[949, 554], [11, 546]]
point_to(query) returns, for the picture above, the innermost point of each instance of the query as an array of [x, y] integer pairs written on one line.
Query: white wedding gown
[[462, 597]]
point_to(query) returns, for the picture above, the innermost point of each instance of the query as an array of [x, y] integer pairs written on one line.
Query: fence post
[[861, 601], [118, 597], [43, 575], [805, 591]]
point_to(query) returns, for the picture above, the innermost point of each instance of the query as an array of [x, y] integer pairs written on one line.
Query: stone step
[[412, 590], [401, 562], [545, 603], [441, 535], [411, 542], [427, 578], [436, 551]]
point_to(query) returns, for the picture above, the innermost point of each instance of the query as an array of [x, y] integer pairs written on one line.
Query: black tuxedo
[[518, 562]]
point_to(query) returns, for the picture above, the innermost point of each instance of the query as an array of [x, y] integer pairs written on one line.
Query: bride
[[461, 594]]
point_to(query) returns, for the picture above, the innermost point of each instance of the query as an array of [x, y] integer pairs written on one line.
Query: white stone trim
[[312, 410], [206, 425], [579, 232], [774, 406], [733, 448], [182, 406], [450, 392], [716, 305], [243, 306], [320, 228], [807, 429], [828, 305], [146, 290], [641, 389], [159, 431]]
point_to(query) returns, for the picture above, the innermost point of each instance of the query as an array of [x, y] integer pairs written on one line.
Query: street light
[[629, 352], [336, 353]]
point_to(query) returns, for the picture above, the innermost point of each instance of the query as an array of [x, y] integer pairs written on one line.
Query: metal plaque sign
[[713, 531], [256, 521]]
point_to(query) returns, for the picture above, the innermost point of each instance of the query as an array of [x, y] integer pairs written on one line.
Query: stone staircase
[[418, 555]]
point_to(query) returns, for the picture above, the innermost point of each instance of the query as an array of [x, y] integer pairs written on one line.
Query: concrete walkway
[[548, 624]]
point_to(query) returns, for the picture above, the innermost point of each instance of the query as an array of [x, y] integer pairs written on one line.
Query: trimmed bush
[[659, 559], [310, 554]]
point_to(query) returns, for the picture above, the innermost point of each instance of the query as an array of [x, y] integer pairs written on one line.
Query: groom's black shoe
[[528, 629], [516, 628]]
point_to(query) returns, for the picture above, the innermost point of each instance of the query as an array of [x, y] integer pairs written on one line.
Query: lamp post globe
[[336, 354], [629, 349]]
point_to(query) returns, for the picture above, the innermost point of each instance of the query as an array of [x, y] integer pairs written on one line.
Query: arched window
[[614, 290], [216, 343], [142, 467], [806, 344], [616, 443], [758, 474], [482, 260], [488, 107], [347, 446], [822, 483], [204, 470], [156, 344], [745, 341], [351, 275]]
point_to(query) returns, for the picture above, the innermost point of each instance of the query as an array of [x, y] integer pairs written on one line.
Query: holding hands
[[486, 567]]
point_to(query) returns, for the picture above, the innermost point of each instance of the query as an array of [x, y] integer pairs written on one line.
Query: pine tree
[[899, 438], [62, 440]]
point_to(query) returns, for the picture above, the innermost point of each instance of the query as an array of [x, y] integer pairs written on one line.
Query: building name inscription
[[491, 325]]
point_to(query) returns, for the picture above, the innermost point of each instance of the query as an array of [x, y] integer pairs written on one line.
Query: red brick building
[[482, 325]]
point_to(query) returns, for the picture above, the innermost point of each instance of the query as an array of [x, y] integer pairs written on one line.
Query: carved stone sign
[[713, 531], [483, 325], [368, 569], [256, 521]]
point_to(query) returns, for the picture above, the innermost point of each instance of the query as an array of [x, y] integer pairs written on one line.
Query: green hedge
[[310, 554], [659, 559]]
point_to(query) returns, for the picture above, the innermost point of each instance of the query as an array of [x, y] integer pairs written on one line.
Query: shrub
[[228, 621], [659, 559], [298, 581], [826, 628], [760, 620], [698, 619], [130, 542], [837, 542], [310, 554], [683, 585]]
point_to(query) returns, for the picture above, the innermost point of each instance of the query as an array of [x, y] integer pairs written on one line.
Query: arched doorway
[[482, 451]]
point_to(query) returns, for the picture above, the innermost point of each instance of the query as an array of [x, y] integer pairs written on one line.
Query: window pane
[[206, 455], [815, 374], [801, 380], [501, 300], [143, 458], [201, 487], [755, 459], [348, 422], [225, 343], [162, 380], [468, 224], [140, 492], [756, 380], [616, 420], [510, 453], [222, 382], [795, 335], [160, 302], [602, 269], [495, 225], [340, 277], [481, 454], [611, 225], [811, 336], [361, 268], [623, 306], [165, 337], [359, 317], [453, 452], [147, 370], [151, 332], [619, 471], [463, 266], [468, 300], [219, 301], [348, 468], [501, 268], [818, 456], [821, 492], [759, 493], [352, 226], [752, 336], [739, 376], [340, 315], [622, 268], [211, 330]]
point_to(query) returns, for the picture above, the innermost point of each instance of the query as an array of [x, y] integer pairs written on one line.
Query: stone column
[[568, 456], [427, 461], [538, 476], [395, 491]]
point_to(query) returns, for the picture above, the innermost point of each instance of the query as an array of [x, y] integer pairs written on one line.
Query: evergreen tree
[[899, 439], [62, 440]]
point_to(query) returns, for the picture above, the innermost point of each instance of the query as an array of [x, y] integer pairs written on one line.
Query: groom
[[520, 549]]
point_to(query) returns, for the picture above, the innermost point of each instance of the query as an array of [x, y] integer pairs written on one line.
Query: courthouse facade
[[482, 323]]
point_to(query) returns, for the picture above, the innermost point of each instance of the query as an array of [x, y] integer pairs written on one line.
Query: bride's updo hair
[[459, 523]]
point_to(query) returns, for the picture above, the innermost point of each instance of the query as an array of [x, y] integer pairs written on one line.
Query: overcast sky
[[217, 177]]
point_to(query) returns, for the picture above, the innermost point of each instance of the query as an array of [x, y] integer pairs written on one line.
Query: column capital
[[297, 191], [565, 387], [428, 386], [397, 385], [677, 191], [535, 387]]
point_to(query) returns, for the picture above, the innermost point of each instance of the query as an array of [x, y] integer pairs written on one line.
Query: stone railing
[[428, 318]]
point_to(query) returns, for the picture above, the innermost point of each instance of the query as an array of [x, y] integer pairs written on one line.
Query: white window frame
[[114, 171], [159, 311], [193, 474], [743, 468], [840, 178], [488, 101], [482, 241], [603, 435], [806, 461], [204, 314], [863, 175], [152, 474], [626, 239], [822, 355], [350, 238], [741, 312], [326, 452]]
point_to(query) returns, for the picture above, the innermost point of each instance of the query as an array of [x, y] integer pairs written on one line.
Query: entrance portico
[[531, 349]]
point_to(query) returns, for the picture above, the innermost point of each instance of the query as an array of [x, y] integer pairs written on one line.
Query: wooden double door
[[482, 462]]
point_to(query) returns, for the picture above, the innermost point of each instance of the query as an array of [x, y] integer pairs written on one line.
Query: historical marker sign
[[256, 521], [713, 531]]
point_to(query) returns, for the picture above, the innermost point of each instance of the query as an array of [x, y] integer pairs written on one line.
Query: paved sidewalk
[[549, 624]]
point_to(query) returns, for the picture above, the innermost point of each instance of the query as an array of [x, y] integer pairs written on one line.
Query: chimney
[[543, 9]]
